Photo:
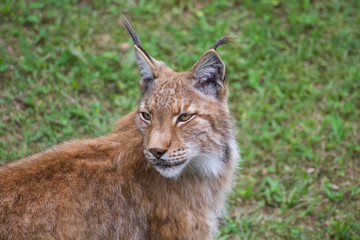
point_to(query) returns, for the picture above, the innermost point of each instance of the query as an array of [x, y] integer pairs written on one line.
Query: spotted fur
[[156, 176]]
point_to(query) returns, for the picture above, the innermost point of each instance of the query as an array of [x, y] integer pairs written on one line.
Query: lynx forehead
[[167, 93], [170, 94]]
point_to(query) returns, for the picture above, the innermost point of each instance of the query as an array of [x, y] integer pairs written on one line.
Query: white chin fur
[[208, 165], [171, 172]]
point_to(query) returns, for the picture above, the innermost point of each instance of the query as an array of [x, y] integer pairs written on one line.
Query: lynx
[[161, 174]]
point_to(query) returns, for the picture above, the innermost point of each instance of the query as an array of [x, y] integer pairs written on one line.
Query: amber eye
[[184, 117], [146, 116]]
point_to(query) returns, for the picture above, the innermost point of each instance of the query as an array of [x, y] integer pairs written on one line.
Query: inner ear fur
[[147, 68], [209, 74]]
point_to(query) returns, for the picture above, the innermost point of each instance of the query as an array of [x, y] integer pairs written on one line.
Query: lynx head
[[184, 117]]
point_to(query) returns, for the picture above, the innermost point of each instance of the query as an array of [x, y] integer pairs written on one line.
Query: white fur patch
[[208, 164], [171, 172]]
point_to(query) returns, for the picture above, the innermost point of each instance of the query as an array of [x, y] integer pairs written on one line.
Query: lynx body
[[161, 174]]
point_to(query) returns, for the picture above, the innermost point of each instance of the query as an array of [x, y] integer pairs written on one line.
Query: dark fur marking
[[223, 40], [227, 153], [134, 36]]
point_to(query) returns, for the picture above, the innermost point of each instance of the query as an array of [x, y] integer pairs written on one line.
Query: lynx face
[[184, 117], [183, 128]]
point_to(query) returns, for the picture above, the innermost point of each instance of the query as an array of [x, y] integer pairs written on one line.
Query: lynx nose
[[157, 152]]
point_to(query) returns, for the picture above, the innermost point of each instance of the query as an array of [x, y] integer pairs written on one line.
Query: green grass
[[65, 72]]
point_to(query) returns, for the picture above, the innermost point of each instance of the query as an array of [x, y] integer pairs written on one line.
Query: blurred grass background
[[68, 70]]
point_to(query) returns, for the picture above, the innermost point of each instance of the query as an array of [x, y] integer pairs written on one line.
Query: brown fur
[[108, 187]]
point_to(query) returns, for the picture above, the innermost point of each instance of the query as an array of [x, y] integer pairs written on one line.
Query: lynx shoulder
[[161, 174]]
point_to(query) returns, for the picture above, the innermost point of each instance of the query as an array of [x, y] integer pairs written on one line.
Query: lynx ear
[[146, 63], [209, 72], [147, 68]]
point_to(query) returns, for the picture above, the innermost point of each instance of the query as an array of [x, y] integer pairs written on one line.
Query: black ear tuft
[[146, 63], [224, 40], [134, 36], [130, 30]]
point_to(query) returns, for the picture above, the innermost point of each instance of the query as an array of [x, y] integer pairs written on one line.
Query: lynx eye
[[184, 117], [146, 116]]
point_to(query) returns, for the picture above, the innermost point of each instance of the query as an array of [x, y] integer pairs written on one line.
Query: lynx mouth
[[164, 165]]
